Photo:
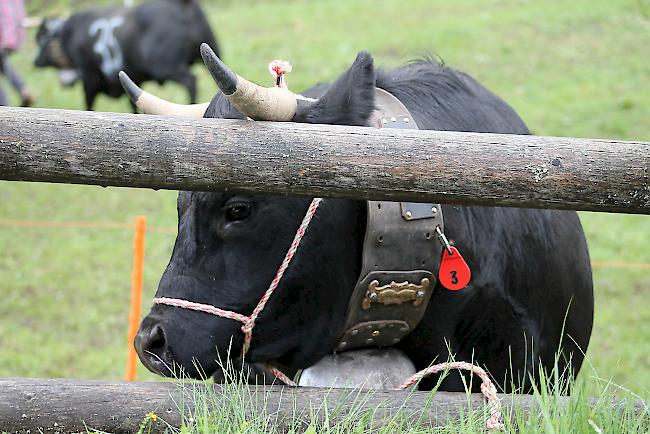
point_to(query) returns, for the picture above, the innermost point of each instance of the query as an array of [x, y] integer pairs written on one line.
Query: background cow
[[530, 297], [154, 41]]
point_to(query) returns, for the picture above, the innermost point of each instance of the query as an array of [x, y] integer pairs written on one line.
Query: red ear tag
[[454, 272]]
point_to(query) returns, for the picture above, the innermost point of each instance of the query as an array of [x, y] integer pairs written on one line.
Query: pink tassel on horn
[[278, 68]]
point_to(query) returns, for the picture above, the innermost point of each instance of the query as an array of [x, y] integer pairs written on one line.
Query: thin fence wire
[[172, 230], [80, 225]]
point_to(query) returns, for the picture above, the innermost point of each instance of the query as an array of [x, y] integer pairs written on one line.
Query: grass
[[238, 410], [569, 68]]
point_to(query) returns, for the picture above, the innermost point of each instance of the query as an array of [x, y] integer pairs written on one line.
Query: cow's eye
[[238, 211]]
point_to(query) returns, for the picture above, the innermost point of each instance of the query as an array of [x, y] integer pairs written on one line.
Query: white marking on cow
[[106, 45], [304, 98]]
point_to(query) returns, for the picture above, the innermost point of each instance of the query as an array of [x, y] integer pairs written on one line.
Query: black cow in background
[[156, 41]]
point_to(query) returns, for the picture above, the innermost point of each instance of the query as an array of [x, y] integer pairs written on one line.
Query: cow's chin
[[198, 368]]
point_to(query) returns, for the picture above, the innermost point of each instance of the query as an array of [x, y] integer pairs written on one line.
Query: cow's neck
[[400, 257]]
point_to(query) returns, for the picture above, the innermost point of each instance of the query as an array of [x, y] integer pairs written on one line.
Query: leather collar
[[400, 260]]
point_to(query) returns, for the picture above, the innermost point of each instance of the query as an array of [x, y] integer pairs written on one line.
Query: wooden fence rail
[[324, 160], [31, 405]]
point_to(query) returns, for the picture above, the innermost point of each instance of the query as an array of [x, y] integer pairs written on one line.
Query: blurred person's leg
[[26, 97], [3, 97], [4, 100]]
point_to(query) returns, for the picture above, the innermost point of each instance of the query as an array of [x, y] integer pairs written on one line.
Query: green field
[[576, 68]]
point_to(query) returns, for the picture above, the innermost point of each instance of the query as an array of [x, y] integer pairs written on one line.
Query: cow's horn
[[152, 105], [257, 102]]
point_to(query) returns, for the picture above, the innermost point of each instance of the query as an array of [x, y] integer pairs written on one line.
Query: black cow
[[154, 41], [530, 297]]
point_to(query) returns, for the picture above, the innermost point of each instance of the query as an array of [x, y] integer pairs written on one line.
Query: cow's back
[[170, 33], [76, 39], [85, 44]]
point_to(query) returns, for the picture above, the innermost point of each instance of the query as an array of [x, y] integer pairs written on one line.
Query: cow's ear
[[349, 101]]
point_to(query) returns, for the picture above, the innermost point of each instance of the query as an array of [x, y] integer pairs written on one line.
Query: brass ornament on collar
[[396, 293]]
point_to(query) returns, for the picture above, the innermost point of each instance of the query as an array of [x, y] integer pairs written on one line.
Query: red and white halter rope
[[249, 321], [494, 422]]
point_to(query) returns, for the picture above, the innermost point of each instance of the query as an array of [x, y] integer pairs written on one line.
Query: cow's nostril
[[151, 345], [156, 341], [151, 342]]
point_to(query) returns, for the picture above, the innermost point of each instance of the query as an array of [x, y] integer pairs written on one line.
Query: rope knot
[[278, 68], [248, 325]]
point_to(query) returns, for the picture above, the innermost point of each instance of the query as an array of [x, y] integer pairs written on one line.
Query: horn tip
[[205, 48], [207, 53], [223, 76], [129, 86]]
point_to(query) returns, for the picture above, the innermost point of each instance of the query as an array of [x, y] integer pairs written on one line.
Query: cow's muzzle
[[152, 348], [175, 342]]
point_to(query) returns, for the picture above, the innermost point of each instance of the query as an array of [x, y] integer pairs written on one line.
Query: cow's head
[[229, 247], [50, 49]]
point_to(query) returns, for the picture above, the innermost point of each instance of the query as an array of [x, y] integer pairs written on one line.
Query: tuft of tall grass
[[240, 408]]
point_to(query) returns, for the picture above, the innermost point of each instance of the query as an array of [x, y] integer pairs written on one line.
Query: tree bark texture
[[324, 160]]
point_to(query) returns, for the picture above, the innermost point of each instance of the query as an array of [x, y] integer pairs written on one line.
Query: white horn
[[152, 105], [257, 102]]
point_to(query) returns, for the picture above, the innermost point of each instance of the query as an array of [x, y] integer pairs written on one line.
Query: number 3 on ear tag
[[454, 272]]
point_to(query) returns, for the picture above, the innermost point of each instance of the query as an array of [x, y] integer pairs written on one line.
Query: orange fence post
[[136, 294]]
